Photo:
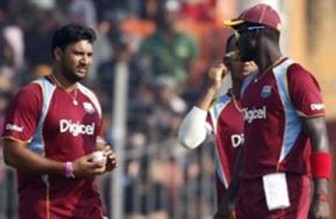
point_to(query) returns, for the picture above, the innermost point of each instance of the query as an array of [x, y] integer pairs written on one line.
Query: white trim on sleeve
[[193, 131]]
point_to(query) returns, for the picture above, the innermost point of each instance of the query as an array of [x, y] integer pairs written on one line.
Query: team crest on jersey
[[266, 91], [88, 107]]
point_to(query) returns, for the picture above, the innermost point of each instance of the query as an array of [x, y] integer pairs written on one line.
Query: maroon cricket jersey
[[226, 124], [272, 106], [46, 117]]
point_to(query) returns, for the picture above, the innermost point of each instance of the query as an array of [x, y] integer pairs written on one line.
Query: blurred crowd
[[167, 48]]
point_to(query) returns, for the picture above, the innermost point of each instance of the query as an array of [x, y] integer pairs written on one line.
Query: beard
[[69, 71]]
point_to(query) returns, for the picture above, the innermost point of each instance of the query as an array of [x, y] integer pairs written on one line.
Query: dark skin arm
[[17, 155], [316, 128], [226, 207]]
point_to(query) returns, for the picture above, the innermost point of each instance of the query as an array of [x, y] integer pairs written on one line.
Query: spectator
[[200, 10], [82, 12], [167, 113], [169, 51], [122, 54]]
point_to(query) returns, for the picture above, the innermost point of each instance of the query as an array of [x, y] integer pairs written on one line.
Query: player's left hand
[[111, 159], [320, 209], [225, 211], [226, 215]]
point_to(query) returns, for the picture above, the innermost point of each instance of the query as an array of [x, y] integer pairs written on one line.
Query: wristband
[[69, 170], [321, 165]]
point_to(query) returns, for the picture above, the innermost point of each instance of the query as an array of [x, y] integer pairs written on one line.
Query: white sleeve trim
[[192, 131]]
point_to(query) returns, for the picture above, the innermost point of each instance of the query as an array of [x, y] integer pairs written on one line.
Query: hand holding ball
[[98, 157]]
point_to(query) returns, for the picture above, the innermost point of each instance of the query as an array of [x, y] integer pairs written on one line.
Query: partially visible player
[[52, 128], [286, 142], [220, 117]]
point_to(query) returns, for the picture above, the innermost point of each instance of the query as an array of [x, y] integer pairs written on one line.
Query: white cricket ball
[[98, 157]]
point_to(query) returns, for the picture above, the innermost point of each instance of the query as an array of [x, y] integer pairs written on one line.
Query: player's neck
[[235, 100], [270, 63], [269, 57], [236, 86], [68, 90], [62, 82]]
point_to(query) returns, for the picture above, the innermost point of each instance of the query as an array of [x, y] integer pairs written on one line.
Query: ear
[[58, 52]]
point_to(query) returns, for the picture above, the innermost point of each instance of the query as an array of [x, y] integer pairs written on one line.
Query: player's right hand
[[84, 167], [217, 72]]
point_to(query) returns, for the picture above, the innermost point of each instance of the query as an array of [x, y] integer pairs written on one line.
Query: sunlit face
[[239, 70], [248, 67], [233, 61], [76, 60]]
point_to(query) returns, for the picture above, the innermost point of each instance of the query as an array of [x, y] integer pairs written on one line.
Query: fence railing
[[161, 181]]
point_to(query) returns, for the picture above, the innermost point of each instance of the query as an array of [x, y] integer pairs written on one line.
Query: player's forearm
[[235, 181], [317, 130], [321, 158], [207, 98], [226, 207], [215, 77], [232, 191], [27, 161]]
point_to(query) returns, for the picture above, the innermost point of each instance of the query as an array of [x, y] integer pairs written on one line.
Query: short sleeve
[[100, 131], [23, 113], [305, 92]]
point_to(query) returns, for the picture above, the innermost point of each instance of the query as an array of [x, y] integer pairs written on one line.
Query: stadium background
[[157, 178]]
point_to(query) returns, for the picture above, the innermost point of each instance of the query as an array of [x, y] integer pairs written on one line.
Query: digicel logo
[[255, 113], [237, 139], [14, 127], [76, 128], [317, 106]]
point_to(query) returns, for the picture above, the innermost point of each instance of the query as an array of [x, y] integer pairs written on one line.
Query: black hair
[[71, 33], [231, 43]]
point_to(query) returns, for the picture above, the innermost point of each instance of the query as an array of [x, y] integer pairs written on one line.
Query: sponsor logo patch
[[317, 106], [88, 107], [14, 127], [75, 128], [237, 140], [251, 114], [266, 91]]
